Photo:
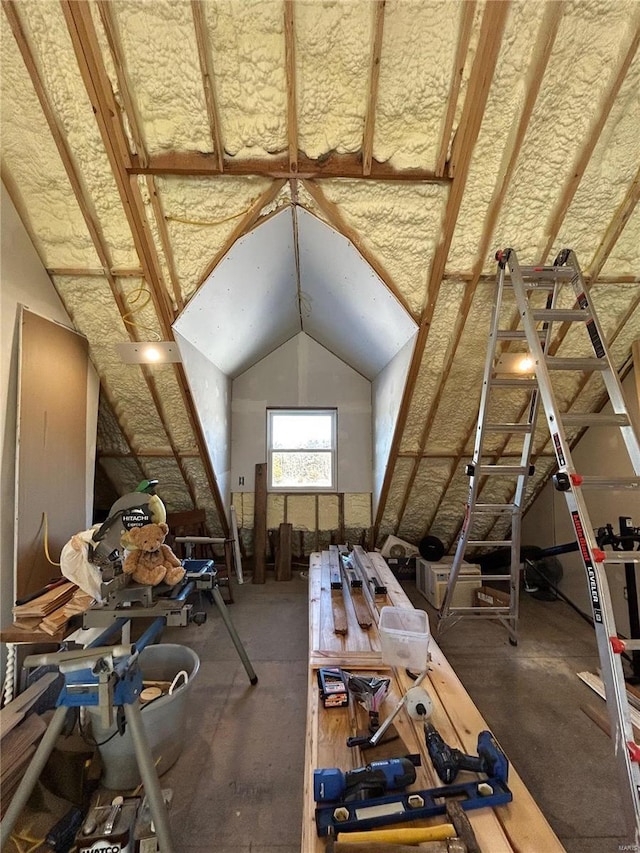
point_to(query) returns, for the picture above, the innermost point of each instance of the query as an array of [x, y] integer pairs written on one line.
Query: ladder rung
[[622, 557], [493, 508], [514, 383], [541, 273], [480, 611], [515, 470], [566, 315], [576, 363], [516, 334], [495, 542], [593, 419], [610, 482], [507, 428]]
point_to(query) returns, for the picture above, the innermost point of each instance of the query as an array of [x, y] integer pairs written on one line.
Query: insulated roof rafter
[[374, 78], [544, 43], [113, 39], [484, 64], [292, 98], [337, 221], [206, 69], [615, 229], [571, 185], [332, 165], [459, 62], [90, 62]]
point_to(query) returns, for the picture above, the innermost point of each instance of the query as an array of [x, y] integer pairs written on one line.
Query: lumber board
[[518, 826], [15, 710], [260, 524], [283, 559], [340, 624], [16, 742]]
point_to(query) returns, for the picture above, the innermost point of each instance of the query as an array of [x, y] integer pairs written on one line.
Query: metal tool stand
[[104, 677]]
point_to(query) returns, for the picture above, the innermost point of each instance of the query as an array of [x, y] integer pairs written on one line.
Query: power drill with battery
[[448, 761], [374, 780]]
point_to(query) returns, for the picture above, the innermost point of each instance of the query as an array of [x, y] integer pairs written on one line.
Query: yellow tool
[[409, 835]]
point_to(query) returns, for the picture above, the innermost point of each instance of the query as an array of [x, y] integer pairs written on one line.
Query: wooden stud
[[571, 185], [283, 558], [336, 219], [464, 37], [333, 165], [292, 101], [206, 69], [493, 23], [161, 222], [260, 524], [374, 77]]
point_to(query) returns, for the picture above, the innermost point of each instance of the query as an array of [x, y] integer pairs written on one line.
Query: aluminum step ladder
[[573, 483], [482, 517]]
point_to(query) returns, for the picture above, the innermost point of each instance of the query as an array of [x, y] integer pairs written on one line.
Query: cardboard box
[[432, 580], [486, 596], [403, 568]]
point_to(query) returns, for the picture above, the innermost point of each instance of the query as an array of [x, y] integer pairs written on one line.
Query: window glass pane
[[293, 432], [296, 470]]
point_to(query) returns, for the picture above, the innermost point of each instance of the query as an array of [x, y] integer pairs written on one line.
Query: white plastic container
[[404, 636]]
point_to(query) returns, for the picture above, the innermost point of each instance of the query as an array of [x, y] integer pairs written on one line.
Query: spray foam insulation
[[399, 224]]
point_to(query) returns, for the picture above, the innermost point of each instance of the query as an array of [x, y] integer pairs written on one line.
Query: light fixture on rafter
[[515, 364], [149, 352]]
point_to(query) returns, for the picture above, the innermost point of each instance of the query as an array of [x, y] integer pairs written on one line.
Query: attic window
[[302, 449]]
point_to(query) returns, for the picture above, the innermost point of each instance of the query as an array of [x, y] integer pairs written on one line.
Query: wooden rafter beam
[[337, 220], [292, 96], [167, 248], [206, 69], [464, 36], [110, 26], [91, 64], [615, 228], [333, 165], [493, 24], [374, 78], [566, 197], [542, 50]]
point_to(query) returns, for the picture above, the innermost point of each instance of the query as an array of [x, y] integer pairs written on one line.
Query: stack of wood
[[51, 611], [20, 733]]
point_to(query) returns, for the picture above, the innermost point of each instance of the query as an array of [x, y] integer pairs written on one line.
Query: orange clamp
[[576, 479], [599, 555], [634, 750]]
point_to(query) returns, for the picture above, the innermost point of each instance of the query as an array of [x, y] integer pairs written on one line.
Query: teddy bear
[[152, 562]]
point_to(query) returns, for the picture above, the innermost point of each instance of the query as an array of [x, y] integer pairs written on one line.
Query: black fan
[[542, 576]]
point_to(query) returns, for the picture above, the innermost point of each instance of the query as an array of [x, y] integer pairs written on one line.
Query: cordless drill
[[448, 761], [374, 780]]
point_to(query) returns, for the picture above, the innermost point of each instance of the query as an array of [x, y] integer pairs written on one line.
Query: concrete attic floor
[[238, 784]]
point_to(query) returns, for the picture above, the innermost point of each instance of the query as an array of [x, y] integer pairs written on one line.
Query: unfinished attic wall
[[303, 373], [386, 393], [211, 392]]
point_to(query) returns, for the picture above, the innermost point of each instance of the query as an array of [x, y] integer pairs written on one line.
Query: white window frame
[[275, 411]]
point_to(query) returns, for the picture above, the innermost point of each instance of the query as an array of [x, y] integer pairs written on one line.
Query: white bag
[[76, 567]]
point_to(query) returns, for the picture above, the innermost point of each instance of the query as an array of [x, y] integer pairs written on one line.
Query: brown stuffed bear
[[152, 562]]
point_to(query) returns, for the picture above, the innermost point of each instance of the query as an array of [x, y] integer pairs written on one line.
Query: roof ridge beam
[[374, 79], [206, 69], [292, 95]]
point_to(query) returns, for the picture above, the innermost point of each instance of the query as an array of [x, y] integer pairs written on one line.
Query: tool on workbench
[[413, 805], [374, 780], [397, 835], [333, 687], [448, 845], [364, 741], [369, 692], [448, 761]]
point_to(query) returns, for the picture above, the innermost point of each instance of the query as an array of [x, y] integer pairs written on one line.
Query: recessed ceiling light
[[149, 352]]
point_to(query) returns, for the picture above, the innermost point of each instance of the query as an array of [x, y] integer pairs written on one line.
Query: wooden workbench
[[519, 826]]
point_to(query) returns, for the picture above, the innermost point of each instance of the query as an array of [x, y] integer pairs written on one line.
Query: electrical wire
[[205, 223], [46, 540], [132, 301]]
